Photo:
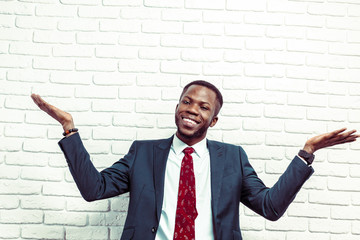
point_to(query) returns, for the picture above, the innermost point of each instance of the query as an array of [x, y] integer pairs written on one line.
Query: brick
[[22, 48], [243, 56], [26, 159], [60, 189], [14, 8], [285, 6], [80, 2], [100, 65], [114, 79], [143, 93], [120, 148], [132, 39], [153, 107], [225, 69], [19, 102], [285, 85], [308, 127], [162, 27], [289, 58], [10, 145], [19, 187], [343, 184], [203, 4], [286, 32], [14, 61], [331, 35], [326, 61], [305, 21], [43, 203], [38, 145], [259, 6], [80, 205], [349, 23], [263, 70], [120, 132], [188, 41], [88, 233], [313, 73], [53, 90], [98, 12], [7, 21], [288, 223], [353, 36], [324, 114], [44, 36], [21, 216], [8, 231], [329, 226], [248, 110], [41, 232], [244, 30], [180, 67], [222, 17], [78, 78], [130, 26], [264, 19], [42, 174], [271, 125], [104, 105], [330, 9], [270, 97], [183, 15], [344, 102], [72, 219], [344, 213], [97, 38], [27, 75], [278, 139], [163, 4], [14, 34], [55, 11], [142, 13], [45, 63], [330, 198], [345, 49], [76, 24], [15, 88], [146, 66], [310, 100], [73, 51], [92, 119], [306, 235], [306, 46], [243, 83], [223, 42], [341, 156], [265, 44], [116, 52], [30, 22], [340, 75], [159, 53], [9, 202]]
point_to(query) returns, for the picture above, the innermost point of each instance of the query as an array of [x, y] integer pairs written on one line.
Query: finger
[[337, 132]]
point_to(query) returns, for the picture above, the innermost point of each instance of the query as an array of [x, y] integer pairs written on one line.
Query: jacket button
[[153, 230]]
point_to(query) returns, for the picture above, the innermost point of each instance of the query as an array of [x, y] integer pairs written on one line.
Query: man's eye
[[204, 108], [186, 102]]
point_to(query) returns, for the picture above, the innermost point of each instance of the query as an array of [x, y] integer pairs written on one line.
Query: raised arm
[[64, 118]]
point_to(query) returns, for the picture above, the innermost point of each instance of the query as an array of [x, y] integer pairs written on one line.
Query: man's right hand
[[64, 118]]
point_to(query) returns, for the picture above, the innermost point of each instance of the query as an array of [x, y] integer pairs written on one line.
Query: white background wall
[[288, 70]]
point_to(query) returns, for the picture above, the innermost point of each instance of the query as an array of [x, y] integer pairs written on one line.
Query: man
[[223, 175]]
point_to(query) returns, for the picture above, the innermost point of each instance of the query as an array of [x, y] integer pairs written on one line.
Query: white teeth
[[189, 120]]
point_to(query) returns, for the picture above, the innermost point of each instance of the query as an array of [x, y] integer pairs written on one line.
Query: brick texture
[[288, 70]]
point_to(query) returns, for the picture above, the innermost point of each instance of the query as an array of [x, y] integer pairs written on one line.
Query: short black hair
[[210, 86]]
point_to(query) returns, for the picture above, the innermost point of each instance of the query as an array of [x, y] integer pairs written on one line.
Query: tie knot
[[188, 150]]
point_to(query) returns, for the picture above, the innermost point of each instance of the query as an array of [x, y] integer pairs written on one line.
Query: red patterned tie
[[186, 204]]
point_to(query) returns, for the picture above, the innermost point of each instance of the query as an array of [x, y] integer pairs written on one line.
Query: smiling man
[[186, 186]]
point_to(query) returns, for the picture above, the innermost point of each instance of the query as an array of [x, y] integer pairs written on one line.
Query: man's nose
[[193, 109]]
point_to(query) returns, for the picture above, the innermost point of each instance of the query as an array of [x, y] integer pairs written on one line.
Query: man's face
[[195, 114]]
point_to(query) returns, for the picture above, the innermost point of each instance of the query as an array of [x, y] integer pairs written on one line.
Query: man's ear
[[214, 121]]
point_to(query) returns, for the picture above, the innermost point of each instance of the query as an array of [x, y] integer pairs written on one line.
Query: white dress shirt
[[201, 160]]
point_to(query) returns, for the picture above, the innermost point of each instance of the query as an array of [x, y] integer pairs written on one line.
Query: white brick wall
[[288, 70]]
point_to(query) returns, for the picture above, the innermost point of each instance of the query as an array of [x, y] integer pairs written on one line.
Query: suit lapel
[[161, 153], [217, 170]]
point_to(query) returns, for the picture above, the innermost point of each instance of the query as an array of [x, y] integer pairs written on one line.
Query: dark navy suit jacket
[[142, 171]]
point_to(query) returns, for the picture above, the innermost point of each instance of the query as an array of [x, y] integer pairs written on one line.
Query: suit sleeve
[[94, 185], [272, 202]]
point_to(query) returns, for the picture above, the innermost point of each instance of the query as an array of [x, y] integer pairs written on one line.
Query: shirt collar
[[178, 146]]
